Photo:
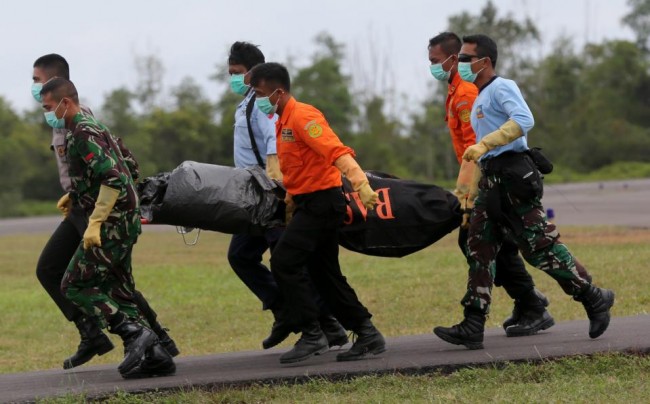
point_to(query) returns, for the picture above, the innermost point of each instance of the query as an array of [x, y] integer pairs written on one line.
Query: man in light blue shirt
[[508, 201], [255, 144]]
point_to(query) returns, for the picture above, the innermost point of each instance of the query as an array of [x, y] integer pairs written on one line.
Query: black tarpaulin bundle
[[408, 217], [211, 197]]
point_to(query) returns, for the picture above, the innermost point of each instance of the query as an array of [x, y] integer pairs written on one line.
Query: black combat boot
[[279, 331], [165, 340], [312, 342], [137, 339], [368, 341], [597, 302], [516, 310], [157, 362], [152, 318], [333, 330], [533, 316], [468, 332], [93, 342]]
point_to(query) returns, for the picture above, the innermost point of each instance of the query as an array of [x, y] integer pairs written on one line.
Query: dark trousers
[[245, 257], [311, 241], [54, 260], [511, 271]]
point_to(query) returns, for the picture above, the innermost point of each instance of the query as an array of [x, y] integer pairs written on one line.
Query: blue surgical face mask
[[52, 120], [36, 91], [264, 104], [465, 71], [237, 84], [438, 72]]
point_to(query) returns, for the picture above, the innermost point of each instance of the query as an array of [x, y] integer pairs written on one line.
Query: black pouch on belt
[[524, 178], [544, 165], [517, 169]]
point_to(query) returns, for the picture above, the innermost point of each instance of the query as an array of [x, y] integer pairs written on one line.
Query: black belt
[[497, 163]]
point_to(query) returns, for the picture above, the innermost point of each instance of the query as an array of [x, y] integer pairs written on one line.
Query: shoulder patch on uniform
[[313, 129], [460, 104], [287, 135], [60, 150], [479, 112], [464, 115]]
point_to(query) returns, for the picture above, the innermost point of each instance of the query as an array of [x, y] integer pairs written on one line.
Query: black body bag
[[211, 197], [408, 217]]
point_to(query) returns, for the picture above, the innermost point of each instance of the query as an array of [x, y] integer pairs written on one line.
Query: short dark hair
[[485, 46], [448, 41], [55, 65], [244, 53], [273, 73], [59, 88]]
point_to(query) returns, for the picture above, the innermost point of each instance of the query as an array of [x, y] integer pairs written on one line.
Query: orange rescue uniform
[[307, 149], [460, 98]]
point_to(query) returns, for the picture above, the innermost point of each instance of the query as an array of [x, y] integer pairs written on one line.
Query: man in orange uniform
[[529, 314], [312, 159]]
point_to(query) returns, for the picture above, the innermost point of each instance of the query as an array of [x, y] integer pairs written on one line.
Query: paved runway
[[606, 203], [408, 354]]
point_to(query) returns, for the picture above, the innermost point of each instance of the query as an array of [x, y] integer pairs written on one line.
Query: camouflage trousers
[[524, 221], [99, 280]]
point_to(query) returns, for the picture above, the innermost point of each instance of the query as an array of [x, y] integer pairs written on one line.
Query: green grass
[[615, 171], [209, 310], [25, 208]]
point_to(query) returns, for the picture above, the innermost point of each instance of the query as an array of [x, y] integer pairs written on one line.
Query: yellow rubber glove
[[465, 176], [350, 168], [64, 204], [471, 196], [291, 206], [507, 133], [103, 206], [273, 167]]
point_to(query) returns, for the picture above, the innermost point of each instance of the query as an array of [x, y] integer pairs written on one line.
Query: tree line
[[591, 108]]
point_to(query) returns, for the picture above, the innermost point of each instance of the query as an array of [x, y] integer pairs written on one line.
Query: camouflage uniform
[[99, 279], [508, 208]]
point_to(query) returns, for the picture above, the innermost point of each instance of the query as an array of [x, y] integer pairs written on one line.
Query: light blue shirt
[[499, 101], [263, 131]]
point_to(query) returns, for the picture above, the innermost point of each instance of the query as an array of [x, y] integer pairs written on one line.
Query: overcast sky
[[101, 38]]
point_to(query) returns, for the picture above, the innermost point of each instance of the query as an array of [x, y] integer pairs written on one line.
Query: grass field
[[209, 310]]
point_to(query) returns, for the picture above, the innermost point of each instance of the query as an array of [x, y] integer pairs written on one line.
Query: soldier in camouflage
[[98, 279], [63, 243], [508, 201]]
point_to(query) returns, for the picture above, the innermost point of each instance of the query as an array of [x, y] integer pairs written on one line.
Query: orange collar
[[455, 82], [288, 109]]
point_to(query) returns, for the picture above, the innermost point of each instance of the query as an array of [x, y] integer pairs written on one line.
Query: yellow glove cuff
[[273, 167], [104, 204], [507, 133], [350, 168]]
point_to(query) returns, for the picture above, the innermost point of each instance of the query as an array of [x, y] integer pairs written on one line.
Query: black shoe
[[534, 299], [597, 302], [165, 340], [93, 342], [157, 362], [333, 330], [279, 332], [312, 342], [137, 339], [368, 341], [530, 323], [468, 332]]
